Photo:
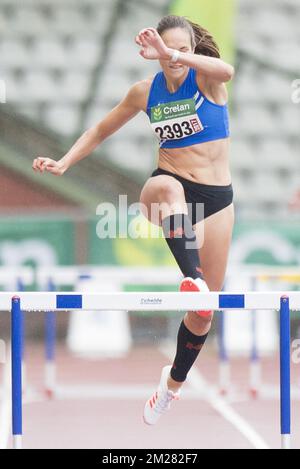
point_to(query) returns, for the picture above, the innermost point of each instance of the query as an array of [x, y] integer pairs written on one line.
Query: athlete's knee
[[170, 191], [201, 320], [204, 317]]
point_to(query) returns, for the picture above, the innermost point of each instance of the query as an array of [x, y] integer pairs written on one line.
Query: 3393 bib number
[[176, 120]]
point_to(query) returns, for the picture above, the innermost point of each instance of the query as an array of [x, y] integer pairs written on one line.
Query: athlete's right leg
[[163, 203], [166, 191]]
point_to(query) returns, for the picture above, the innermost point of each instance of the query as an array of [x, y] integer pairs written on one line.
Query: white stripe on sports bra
[[199, 104]]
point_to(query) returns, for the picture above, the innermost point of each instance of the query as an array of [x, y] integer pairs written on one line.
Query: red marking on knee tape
[[179, 232], [191, 346]]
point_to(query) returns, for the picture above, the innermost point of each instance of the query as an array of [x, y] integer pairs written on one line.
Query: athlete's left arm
[[153, 47], [213, 68]]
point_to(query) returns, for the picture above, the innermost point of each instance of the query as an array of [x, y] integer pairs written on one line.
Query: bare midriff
[[205, 163]]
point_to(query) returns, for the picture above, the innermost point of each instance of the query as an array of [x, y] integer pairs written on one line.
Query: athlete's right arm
[[130, 106]]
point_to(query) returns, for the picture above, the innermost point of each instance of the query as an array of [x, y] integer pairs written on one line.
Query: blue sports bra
[[185, 117]]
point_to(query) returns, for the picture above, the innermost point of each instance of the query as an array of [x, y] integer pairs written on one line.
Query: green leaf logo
[[157, 113]]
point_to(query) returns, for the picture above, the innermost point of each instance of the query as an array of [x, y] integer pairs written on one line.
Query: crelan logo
[[157, 113]]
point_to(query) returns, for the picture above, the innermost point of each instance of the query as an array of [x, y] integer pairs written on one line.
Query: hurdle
[[19, 278], [254, 359], [53, 277], [65, 301], [255, 273]]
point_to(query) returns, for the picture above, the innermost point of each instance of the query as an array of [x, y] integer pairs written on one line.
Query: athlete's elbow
[[228, 73]]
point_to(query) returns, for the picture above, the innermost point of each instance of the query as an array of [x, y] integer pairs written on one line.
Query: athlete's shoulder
[[139, 92], [142, 87]]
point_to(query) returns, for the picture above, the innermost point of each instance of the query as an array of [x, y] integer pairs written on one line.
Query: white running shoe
[[192, 285], [161, 400]]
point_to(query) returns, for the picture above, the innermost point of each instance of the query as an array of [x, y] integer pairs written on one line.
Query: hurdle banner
[[42, 301]]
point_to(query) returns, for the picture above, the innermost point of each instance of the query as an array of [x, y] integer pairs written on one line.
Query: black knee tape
[[182, 241], [189, 346]]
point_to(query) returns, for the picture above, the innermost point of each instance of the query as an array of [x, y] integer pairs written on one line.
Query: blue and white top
[[186, 117]]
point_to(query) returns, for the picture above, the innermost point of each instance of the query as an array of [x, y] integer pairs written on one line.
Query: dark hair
[[202, 40]]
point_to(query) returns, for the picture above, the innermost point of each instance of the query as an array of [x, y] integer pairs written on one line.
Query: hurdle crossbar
[[148, 301], [50, 301]]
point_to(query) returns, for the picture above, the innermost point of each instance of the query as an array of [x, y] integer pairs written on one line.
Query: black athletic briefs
[[214, 198]]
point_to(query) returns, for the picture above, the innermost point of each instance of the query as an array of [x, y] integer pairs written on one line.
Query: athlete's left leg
[[216, 245], [194, 328], [215, 235]]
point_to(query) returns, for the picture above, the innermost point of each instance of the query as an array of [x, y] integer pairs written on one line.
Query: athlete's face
[[178, 39]]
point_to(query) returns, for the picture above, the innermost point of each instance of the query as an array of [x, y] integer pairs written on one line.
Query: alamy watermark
[[132, 221], [296, 91], [2, 91]]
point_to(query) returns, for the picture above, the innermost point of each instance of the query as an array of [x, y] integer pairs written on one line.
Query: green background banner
[[268, 243], [36, 241], [218, 17], [41, 241]]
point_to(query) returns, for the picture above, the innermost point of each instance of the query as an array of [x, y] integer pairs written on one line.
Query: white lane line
[[5, 407], [138, 391], [206, 391], [107, 391]]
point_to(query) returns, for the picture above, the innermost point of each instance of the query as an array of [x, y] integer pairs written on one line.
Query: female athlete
[[187, 107]]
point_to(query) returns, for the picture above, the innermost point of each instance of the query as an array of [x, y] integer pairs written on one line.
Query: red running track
[[99, 405]]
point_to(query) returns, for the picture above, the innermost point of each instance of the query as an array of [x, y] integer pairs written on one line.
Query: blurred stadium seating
[[265, 122], [67, 63]]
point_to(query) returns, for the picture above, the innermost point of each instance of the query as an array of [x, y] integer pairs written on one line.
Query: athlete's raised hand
[[153, 47], [41, 164]]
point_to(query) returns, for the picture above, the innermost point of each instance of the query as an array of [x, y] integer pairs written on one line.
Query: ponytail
[[204, 42]]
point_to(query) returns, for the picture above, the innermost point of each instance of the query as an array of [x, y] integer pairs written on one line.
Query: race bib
[[175, 120]]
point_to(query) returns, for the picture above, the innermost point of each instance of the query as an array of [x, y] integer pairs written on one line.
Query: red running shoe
[[192, 285]]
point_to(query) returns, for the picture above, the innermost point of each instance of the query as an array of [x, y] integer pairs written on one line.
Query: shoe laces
[[162, 404]]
